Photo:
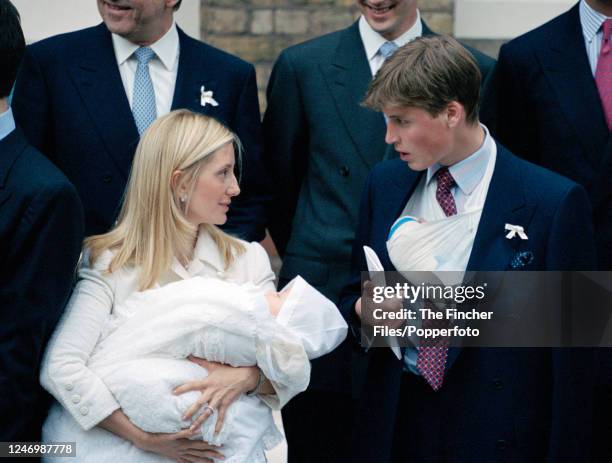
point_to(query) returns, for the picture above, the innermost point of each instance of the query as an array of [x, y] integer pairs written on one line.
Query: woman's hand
[[223, 385], [179, 447], [176, 446]]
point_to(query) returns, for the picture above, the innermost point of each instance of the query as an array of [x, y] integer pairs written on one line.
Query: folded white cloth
[[418, 246]]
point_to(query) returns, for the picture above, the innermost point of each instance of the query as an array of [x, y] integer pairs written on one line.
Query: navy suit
[[544, 105], [41, 231], [71, 103], [511, 405]]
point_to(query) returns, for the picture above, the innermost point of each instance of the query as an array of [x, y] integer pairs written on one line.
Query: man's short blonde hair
[[428, 73]]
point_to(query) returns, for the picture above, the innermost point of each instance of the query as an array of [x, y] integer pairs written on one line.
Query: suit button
[[84, 411], [76, 399], [501, 444], [498, 384], [344, 171], [107, 178], [69, 387]]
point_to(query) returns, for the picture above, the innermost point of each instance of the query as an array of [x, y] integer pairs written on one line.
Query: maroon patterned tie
[[431, 358], [443, 192], [603, 73]]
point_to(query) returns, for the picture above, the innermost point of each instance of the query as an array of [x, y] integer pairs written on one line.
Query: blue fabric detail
[[397, 224]]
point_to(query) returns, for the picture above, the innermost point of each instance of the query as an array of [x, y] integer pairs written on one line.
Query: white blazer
[[64, 371]]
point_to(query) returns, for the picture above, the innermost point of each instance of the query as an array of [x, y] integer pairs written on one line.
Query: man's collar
[[166, 48], [372, 40], [469, 172], [7, 123], [590, 20]]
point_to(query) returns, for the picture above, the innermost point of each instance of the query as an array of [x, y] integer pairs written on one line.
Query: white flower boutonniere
[[206, 97], [514, 230]]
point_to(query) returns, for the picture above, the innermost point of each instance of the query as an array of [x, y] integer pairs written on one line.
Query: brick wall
[[258, 30]]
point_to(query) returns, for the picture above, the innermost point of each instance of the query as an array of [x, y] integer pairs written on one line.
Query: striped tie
[[603, 74]]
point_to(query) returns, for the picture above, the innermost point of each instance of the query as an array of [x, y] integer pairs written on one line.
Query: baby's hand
[[275, 302]]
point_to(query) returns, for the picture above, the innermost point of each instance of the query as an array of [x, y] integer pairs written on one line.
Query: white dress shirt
[[7, 123], [472, 178], [163, 67], [372, 41], [64, 371], [591, 22]]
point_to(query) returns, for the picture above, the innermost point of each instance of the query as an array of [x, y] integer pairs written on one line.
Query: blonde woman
[[180, 188]]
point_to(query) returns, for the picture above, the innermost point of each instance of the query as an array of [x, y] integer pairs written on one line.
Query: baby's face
[[276, 300]]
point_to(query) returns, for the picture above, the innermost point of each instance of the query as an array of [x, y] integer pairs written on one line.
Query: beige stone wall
[[258, 30]]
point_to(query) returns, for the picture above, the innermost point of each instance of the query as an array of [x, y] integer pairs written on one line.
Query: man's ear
[[455, 113]]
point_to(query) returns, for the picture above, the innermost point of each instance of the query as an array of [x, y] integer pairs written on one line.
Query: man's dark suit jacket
[[71, 103], [511, 404], [41, 230], [544, 105], [320, 145]]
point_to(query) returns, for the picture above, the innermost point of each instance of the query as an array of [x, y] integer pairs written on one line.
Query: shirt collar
[[590, 20], [469, 172], [166, 48], [372, 40], [206, 253], [7, 123]]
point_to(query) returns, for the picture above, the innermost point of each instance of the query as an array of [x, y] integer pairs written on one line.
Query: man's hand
[[365, 306]]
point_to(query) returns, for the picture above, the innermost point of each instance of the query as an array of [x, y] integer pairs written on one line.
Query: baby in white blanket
[[142, 355]]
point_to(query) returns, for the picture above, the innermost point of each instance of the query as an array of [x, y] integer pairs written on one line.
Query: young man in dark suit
[[84, 97], [320, 145], [41, 229], [471, 404], [551, 103]]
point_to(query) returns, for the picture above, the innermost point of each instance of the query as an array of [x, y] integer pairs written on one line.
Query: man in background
[[84, 98], [41, 230], [551, 103]]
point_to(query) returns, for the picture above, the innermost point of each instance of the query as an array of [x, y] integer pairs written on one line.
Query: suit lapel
[[565, 64], [348, 76], [191, 77], [11, 148], [399, 191], [98, 81], [505, 203]]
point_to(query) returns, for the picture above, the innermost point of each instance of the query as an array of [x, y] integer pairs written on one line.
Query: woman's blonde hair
[[152, 227]]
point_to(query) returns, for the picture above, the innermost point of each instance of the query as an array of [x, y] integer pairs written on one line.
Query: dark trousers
[[602, 424], [410, 439], [318, 427]]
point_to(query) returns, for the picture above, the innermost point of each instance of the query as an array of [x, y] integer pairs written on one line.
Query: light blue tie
[[387, 49], [143, 101]]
